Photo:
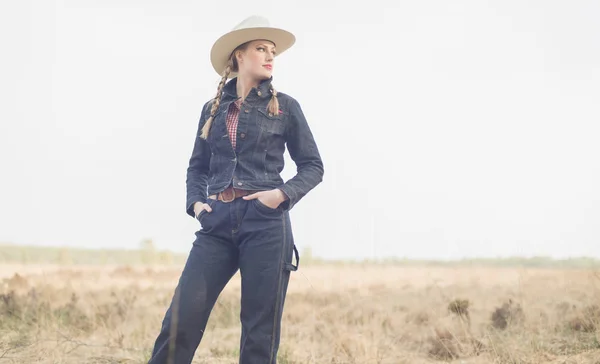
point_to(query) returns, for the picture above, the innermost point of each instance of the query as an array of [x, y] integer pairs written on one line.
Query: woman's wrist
[[282, 196]]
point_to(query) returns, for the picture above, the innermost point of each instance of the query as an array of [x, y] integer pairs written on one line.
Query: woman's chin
[[265, 74], [260, 76]]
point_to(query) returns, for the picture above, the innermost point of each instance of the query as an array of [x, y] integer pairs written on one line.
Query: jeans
[[244, 235]]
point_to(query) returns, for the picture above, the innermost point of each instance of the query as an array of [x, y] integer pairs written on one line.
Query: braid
[[217, 99], [273, 105]]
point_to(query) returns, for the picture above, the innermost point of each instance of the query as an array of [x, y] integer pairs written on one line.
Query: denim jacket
[[258, 160]]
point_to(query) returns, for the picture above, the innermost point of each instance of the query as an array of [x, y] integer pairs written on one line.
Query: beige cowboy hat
[[252, 28]]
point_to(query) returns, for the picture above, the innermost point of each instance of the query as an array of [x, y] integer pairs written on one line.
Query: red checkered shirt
[[232, 120]]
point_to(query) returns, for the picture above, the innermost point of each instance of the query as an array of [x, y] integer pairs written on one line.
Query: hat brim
[[224, 46]]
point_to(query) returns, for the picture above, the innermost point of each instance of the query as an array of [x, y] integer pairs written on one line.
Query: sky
[[447, 129]]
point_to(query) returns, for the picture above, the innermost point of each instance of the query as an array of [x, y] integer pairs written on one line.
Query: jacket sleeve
[[197, 171], [305, 154]]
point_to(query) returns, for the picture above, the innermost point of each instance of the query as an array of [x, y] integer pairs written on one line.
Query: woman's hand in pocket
[[272, 198], [199, 207]]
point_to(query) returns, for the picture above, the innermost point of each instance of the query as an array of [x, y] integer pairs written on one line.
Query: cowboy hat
[[251, 28]]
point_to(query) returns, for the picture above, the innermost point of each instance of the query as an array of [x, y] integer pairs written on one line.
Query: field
[[110, 312]]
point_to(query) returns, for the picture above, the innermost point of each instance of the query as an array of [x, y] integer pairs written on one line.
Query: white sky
[[447, 130]]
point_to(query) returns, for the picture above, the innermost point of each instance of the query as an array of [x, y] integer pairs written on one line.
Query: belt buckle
[[232, 198]]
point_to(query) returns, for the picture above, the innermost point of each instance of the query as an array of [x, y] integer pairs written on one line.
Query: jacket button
[[243, 135], [239, 183], [246, 111], [259, 93]]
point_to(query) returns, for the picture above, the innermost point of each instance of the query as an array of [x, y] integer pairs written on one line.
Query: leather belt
[[230, 194]]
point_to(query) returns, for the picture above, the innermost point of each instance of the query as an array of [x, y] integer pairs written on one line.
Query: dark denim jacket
[[260, 145]]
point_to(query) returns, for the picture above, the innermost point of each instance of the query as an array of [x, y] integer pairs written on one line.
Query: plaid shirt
[[232, 120]]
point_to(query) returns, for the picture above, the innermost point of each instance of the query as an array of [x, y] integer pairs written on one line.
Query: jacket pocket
[[270, 123]]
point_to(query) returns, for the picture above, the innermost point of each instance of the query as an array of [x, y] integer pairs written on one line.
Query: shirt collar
[[237, 103]]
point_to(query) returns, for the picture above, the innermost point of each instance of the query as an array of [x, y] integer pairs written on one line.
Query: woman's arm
[[304, 152], [197, 171]]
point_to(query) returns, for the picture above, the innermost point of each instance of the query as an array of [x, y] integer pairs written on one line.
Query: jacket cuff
[[291, 195]]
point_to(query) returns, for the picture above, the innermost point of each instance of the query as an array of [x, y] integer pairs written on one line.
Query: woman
[[235, 190]]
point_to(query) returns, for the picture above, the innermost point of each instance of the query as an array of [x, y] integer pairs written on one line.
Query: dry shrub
[[62, 308], [588, 320], [478, 346], [71, 315], [444, 346], [581, 324], [460, 308], [16, 282], [31, 309], [447, 346], [509, 314], [18, 309], [564, 307], [110, 314]]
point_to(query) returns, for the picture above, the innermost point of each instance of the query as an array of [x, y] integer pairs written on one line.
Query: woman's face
[[256, 61]]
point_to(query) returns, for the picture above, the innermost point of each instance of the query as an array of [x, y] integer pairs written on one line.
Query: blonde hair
[[217, 100], [232, 65], [273, 105]]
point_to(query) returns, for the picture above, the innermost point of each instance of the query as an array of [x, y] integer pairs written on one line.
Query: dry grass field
[[336, 313]]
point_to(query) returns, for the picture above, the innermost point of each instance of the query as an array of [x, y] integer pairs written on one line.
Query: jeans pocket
[[261, 206], [203, 213]]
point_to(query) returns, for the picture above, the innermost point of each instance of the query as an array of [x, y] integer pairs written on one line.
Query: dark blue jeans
[[244, 235]]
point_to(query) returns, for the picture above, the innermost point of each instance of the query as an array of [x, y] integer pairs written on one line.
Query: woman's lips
[[268, 66]]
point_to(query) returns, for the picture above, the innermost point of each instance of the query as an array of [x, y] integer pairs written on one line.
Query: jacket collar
[[261, 91]]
